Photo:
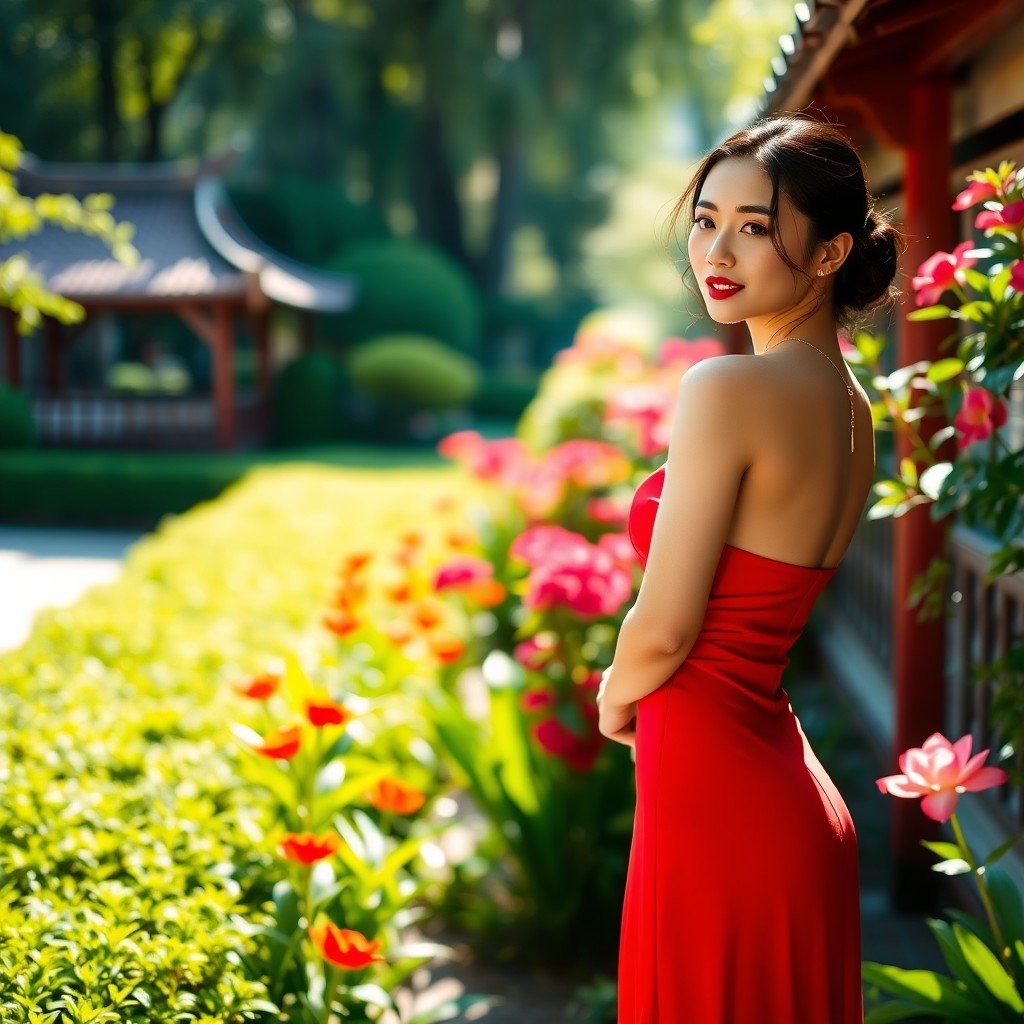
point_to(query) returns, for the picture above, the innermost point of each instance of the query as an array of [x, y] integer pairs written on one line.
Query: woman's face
[[739, 272]]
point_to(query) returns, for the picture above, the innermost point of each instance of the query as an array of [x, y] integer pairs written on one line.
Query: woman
[[741, 901]]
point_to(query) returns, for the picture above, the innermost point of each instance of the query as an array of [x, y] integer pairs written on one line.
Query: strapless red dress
[[741, 902]]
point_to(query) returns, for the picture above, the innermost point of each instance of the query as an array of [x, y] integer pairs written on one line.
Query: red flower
[[457, 572], [536, 651], [536, 700], [1017, 276], [976, 192], [281, 744], [259, 687], [324, 711], [344, 947], [306, 848], [940, 771], [395, 796], [557, 739], [980, 414], [939, 272], [1010, 216]]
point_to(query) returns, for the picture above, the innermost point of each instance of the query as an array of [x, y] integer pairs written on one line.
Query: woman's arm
[[707, 457]]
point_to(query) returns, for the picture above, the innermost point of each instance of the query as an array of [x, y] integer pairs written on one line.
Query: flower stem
[[997, 934]]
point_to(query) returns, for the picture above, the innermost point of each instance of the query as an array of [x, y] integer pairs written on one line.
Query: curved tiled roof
[[191, 242]]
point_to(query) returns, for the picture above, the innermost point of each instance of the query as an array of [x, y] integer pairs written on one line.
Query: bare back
[[803, 494]]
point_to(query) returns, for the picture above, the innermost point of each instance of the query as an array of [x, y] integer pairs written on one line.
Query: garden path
[[46, 567]]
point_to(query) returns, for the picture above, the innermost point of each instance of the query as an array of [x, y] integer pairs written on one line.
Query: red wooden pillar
[[260, 326], [51, 335], [224, 374], [12, 350], [919, 648]]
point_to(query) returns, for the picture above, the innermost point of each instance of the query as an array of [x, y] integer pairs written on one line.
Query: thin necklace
[[846, 383]]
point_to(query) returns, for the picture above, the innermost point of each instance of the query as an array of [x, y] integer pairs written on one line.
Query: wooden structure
[[198, 261], [929, 90]]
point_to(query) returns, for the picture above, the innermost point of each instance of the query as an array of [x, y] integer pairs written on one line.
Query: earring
[[821, 273]]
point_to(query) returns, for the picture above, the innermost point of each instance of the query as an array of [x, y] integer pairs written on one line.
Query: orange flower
[[412, 538], [351, 594], [486, 593], [306, 848], [280, 743], [400, 592], [398, 632], [461, 538], [258, 687], [324, 711], [341, 622], [344, 947], [446, 647], [392, 795], [428, 615], [355, 562]]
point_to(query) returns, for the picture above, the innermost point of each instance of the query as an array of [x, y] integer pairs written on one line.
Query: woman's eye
[[757, 229], [704, 222]]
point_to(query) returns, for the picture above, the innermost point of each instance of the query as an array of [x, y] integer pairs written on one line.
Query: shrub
[[505, 393], [306, 219], [17, 425], [410, 370], [308, 400], [408, 287]]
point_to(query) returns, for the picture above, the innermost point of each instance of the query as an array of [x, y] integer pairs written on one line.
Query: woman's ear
[[832, 254]]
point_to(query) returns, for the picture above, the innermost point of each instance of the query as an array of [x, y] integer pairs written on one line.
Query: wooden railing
[[168, 422], [988, 619]]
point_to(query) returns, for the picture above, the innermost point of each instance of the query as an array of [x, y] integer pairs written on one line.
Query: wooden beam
[[201, 322], [224, 374], [919, 648], [53, 340], [260, 329]]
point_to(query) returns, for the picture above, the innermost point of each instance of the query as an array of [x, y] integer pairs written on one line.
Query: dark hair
[[816, 166]]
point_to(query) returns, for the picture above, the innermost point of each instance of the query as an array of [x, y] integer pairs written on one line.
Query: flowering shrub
[[980, 477], [985, 958]]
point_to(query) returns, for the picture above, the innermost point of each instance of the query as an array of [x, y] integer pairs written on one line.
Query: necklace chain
[[846, 383]]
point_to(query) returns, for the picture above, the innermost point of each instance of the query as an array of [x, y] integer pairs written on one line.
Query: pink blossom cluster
[[577, 747], [566, 570]]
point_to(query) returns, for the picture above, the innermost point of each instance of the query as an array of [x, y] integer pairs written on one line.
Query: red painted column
[[12, 350], [224, 374], [918, 663], [51, 335]]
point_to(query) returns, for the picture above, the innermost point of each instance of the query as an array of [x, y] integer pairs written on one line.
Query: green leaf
[[934, 478], [889, 1012], [930, 313], [1006, 900], [1000, 851], [945, 850], [908, 471], [923, 988], [976, 279], [944, 369], [989, 969]]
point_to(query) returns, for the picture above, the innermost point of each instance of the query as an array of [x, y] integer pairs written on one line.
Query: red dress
[[741, 900]]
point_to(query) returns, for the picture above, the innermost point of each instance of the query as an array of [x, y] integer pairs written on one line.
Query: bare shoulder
[[719, 379]]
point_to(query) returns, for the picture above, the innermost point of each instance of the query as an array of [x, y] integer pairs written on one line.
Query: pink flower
[[588, 463], [939, 272], [620, 547], [682, 350], [846, 346], [976, 192], [536, 700], [463, 571], [646, 411], [606, 511], [582, 578], [535, 545], [501, 459], [1017, 276], [557, 739], [980, 414], [1010, 216], [940, 771], [536, 651]]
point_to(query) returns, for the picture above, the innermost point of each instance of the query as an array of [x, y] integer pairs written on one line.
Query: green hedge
[[308, 404], [17, 425]]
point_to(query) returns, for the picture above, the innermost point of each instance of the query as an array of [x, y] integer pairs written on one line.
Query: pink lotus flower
[[939, 771], [1010, 216], [981, 413], [1017, 276], [940, 272], [976, 192], [583, 578]]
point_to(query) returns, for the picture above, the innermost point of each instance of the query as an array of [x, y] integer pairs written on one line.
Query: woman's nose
[[718, 253]]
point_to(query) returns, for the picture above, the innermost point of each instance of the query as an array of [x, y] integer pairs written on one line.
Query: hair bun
[[867, 278]]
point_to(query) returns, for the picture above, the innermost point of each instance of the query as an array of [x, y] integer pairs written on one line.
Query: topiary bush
[[17, 424], [412, 371], [308, 400], [407, 286], [307, 219]]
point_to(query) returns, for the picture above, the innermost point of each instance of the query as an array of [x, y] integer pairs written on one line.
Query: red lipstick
[[721, 287]]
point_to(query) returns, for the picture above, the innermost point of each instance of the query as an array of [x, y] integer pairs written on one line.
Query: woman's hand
[[617, 722]]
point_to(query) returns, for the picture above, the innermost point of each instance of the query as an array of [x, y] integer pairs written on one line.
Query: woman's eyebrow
[[739, 209]]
